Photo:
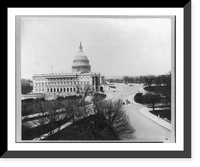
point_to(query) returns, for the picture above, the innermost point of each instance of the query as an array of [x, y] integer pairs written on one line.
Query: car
[[130, 85]]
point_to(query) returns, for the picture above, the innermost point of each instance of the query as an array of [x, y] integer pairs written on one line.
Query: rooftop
[[65, 74]]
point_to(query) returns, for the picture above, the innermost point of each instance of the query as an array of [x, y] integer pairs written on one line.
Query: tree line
[[147, 80], [26, 86], [150, 80]]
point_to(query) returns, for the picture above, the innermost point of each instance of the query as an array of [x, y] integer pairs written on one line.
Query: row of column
[[60, 90]]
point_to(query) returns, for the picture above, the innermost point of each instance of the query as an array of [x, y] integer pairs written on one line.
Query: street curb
[[160, 121], [108, 96]]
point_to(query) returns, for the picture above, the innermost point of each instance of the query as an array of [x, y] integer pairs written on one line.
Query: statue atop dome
[[80, 48]]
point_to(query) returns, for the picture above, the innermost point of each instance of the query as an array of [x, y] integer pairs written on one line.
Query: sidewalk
[[160, 121], [141, 90], [108, 96], [40, 114]]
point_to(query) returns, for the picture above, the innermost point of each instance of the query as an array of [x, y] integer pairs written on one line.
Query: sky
[[114, 46]]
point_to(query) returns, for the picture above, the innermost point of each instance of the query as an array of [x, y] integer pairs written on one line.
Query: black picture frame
[[186, 153]]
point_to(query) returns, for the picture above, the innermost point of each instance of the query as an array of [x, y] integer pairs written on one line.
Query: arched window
[[67, 89], [60, 89], [63, 89]]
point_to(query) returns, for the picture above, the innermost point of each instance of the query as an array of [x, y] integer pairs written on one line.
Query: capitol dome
[[81, 62]]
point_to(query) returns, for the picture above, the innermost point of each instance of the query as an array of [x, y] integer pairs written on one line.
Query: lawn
[[34, 106], [165, 91], [162, 113]]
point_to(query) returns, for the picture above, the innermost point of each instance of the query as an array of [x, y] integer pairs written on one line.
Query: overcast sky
[[114, 46]]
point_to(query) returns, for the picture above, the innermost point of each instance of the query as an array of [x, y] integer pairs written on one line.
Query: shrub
[[113, 87], [74, 97], [28, 100], [98, 96], [60, 98], [139, 98]]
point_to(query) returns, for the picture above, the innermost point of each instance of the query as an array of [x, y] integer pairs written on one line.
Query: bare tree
[[83, 90], [115, 118], [79, 110]]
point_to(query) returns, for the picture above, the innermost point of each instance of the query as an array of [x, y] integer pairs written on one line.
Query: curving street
[[145, 128]]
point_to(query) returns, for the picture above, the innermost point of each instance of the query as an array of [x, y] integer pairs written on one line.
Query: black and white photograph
[[96, 78], [98, 83]]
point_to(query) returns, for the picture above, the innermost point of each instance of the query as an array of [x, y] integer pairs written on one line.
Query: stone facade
[[65, 82]]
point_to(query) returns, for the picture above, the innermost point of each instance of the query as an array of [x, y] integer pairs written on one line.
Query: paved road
[[145, 129]]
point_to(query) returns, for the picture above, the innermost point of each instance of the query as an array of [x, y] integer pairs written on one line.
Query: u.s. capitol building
[[66, 83]]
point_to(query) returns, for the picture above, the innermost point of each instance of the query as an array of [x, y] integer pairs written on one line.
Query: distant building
[[26, 82], [66, 83]]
